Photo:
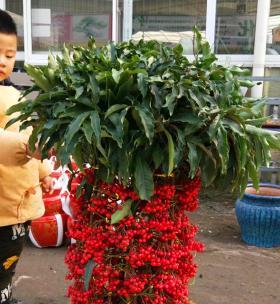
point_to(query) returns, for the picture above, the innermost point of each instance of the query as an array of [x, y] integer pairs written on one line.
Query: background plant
[[136, 108]]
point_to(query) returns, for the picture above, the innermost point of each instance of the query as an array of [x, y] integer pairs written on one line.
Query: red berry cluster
[[145, 258]]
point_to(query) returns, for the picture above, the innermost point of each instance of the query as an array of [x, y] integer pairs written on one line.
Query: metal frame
[[263, 13], [211, 11], [127, 19], [115, 22], [3, 4], [272, 61], [242, 60], [27, 30], [270, 169]]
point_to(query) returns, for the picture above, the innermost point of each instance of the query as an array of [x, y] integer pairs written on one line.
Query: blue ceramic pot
[[259, 216]]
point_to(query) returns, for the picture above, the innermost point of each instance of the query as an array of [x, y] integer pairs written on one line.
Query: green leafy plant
[[134, 109]]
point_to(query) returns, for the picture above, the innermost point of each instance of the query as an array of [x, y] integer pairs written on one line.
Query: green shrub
[[134, 109]]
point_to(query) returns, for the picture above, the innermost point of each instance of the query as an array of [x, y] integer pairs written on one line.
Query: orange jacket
[[20, 191], [13, 152]]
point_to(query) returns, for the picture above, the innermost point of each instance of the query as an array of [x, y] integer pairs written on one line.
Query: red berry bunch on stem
[[146, 257]]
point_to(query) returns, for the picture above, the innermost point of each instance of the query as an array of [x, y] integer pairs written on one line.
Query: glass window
[[55, 22], [272, 88], [15, 9], [235, 26], [273, 35], [168, 21]]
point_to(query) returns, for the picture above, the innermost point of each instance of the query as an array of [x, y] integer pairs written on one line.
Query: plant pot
[[258, 214], [48, 231], [52, 202]]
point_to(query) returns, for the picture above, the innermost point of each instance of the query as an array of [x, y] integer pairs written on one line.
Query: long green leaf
[[115, 108], [170, 100], [253, 173], [88, 131], [142, 84], [17, 107], [147, 121], [95, 124], [122, 213], [194, 156], [158, 98], [12, 121], [208, 170], [260, 131], [34, 138], [274, 142], [157, 155], [88, 273], [235, 127], [38, 77], [79, 157], [186, 116], [143, 178], [195, 98], [170, 152], [94, 87], [125, 88], [75, 126], [223, 148]]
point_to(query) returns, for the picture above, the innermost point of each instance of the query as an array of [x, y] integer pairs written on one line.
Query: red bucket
[[48, 231], [52, 202]]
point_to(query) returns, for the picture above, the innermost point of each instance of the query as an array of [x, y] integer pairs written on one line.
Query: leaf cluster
[[134, 109]]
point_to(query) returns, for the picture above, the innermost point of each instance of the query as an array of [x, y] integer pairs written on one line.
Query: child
[[20, 192]]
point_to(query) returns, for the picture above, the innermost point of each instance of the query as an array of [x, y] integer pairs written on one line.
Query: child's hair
[[7, 24]]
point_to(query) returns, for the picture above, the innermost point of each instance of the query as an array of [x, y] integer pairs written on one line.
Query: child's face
[[8, 49]]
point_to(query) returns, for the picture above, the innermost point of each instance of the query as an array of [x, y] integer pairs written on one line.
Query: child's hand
[[47, 184]]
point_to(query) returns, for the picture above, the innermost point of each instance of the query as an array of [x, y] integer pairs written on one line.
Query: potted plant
[[151, 126], [258, 214]]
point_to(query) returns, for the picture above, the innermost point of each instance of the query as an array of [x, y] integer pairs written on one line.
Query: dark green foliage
[[133, 109]]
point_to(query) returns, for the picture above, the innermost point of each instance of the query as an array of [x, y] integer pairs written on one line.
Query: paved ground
[[229, 271]]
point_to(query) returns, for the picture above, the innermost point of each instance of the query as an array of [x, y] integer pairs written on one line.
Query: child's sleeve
[[8, 97], [3, 107], [44, 168], [13, 148]]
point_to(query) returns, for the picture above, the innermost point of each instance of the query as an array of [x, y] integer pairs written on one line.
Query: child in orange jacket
[[20, 185]]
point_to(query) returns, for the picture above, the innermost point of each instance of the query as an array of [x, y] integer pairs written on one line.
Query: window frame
[[238, 59]]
